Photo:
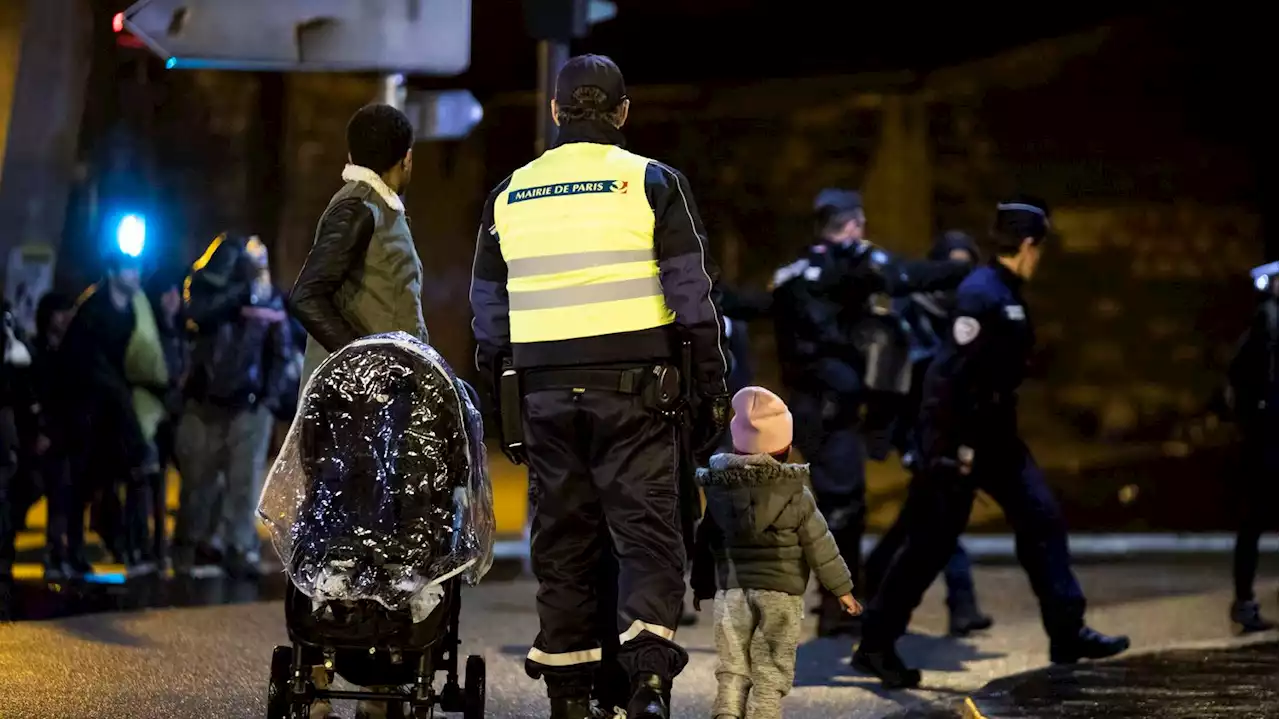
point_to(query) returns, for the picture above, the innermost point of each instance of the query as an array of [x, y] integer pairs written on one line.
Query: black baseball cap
[[590, 71]]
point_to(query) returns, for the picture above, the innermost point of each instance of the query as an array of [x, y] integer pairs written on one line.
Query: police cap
[[1020, 217], [590, 71]]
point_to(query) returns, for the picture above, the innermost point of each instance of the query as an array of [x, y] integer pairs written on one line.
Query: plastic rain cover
[[381, 491]]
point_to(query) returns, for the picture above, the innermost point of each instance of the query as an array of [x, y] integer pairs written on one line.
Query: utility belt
[[664, 388]]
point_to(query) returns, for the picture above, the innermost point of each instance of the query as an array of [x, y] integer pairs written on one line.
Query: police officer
[[591, 269], [969, 441], [820, 302], [1254, 396], [928, 315]]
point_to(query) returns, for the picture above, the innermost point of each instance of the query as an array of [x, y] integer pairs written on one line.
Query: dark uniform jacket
[[821, 299], [970, 391], [688, 278], [763, 530], [1253, 372]]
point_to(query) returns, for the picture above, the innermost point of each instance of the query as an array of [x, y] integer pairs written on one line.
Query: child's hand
[[697, 604], [851, 606]]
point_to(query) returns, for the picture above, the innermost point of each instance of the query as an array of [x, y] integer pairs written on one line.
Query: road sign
[[448, 115], [426, 37]]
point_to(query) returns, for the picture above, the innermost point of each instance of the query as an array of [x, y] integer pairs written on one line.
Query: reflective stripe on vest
[[576, 231]]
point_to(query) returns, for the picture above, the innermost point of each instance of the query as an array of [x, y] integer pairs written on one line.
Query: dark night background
[[1148, 128]]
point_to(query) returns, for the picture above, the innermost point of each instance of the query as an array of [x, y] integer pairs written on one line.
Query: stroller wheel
[[279, 699], [474, 691]]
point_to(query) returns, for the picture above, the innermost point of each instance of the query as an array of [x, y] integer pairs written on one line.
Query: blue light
[[131, 235], [171, 63]]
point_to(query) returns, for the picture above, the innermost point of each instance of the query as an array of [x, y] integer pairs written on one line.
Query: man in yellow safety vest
[[591, 272]]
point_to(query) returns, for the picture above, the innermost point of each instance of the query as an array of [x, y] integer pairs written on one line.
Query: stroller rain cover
[[381, 491]]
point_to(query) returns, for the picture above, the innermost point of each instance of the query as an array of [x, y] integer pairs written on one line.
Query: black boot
[[887, 666], [649, 698], [965, 617], [55, 568], [833, 621], [77, 565], [571, 708], [1085, 644], [1247, 616]]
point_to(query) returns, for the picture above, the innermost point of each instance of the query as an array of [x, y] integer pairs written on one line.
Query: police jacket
[[970, 391], [820, 299], [242, 348], [1253, 371], [363, 275], [593, 255]]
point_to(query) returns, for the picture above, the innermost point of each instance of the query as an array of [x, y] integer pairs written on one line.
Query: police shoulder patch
[[965, 330]]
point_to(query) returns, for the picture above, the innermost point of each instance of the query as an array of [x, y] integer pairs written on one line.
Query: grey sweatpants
[[756, 635], [223, 454]]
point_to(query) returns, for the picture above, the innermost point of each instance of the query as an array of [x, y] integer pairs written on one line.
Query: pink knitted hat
[[761, 422]]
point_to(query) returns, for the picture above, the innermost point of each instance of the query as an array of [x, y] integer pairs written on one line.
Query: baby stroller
[[379, 505]]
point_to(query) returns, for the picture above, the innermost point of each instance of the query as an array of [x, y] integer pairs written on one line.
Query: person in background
[[110, 448], [928, 316], [16, 358], [27, 484], [164, 289], [239, 360], [761, 537], [968, 438], [53, 408], [1254, 401], [822, 305]]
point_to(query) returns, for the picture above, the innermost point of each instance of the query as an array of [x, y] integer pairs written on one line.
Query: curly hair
[[378, 137], [586, 106]]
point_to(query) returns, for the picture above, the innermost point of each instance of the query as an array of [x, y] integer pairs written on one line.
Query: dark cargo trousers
[[837, 457], [597, 456], [938, 509]]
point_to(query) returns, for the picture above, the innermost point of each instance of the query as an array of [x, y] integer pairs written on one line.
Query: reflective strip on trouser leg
[[563, 659], [638, 627]]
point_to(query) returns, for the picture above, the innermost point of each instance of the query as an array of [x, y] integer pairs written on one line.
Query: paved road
[[212, 661], [1231, 683]]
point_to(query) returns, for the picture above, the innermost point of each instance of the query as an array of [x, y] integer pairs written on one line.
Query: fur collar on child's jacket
[[750, 470]]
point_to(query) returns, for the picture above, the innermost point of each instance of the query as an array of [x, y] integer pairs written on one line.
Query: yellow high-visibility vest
[[576, 231]]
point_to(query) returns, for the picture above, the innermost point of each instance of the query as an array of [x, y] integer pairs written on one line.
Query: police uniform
[[591, 267], [968, 415], [822, 303], [1254, 385]]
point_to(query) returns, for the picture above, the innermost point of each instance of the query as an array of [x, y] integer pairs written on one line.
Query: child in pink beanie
[[761, 536]]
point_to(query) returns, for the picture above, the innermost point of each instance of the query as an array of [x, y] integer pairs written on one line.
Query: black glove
[[515, 454], [712, 421]]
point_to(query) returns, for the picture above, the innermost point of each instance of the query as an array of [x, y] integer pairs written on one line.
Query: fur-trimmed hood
[[750, 470]]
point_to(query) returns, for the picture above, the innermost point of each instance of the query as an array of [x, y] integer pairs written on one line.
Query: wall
[[45, 46]]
